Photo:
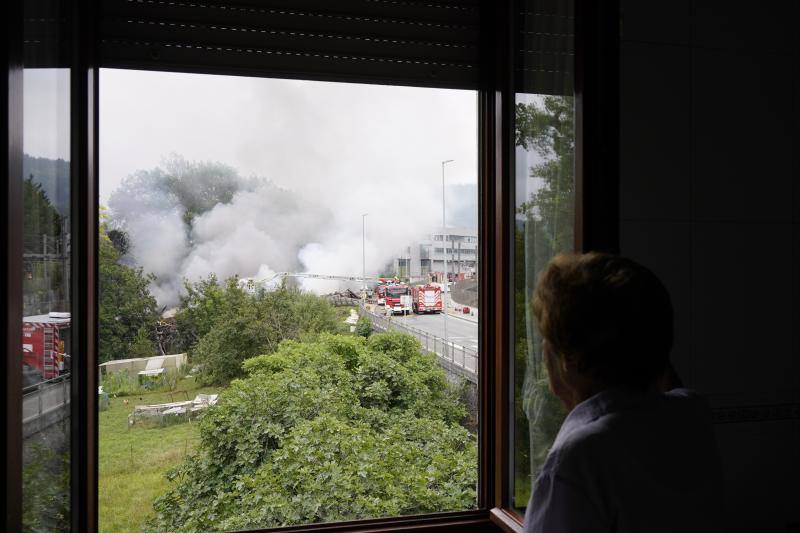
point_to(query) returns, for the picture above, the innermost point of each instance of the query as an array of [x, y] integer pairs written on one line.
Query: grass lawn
[[133, 461]]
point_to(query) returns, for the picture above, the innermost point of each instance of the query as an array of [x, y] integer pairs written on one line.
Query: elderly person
[[636, 452]]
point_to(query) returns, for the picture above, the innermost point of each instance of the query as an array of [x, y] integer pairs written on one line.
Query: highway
[[460, 331]]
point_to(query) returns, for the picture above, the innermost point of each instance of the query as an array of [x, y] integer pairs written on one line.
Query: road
[[460, 331]]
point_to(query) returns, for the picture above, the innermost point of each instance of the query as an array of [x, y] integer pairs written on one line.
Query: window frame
[[596, 228]]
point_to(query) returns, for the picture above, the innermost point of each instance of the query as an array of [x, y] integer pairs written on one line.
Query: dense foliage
[[544, 228], [127, 310], [46, 481], [222, 325], [43, 233], [364, 326], [338, 428]]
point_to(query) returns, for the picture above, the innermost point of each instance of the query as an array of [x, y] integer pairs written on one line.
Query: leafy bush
[[120, 383], [364, 326], [124, 384], [233, 326], [330, 429], [45, 484], [127, 310]]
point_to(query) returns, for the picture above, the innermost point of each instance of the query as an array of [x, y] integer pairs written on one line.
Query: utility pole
[[444, 238], [45, 258], [364, 255]]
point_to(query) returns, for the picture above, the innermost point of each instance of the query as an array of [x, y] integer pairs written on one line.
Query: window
[[238, 281], [46, 350], [277, 43], [544, 134]]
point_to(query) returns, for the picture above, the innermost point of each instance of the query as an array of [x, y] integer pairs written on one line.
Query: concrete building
[[421, 259]]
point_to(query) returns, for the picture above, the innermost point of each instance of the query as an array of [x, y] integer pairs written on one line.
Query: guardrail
[[37, 386], [43, 403], [454, 357]]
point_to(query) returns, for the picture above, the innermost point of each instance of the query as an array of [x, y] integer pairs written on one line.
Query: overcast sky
[[358, 139], [46, 113]]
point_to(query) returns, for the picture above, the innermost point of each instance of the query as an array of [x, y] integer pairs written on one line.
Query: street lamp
[[444, 238], [364, 254]]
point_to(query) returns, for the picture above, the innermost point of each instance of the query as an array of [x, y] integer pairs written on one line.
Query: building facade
[[425, 259]]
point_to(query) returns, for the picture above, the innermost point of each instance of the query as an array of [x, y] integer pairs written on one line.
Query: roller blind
[[428, 43], [545, 47], [46, 34]]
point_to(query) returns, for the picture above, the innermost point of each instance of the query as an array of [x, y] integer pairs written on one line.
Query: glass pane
[[272, 286], [545, 212], [46, 336]]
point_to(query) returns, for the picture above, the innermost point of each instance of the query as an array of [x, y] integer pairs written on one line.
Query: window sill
[[468, 521], [505, 520]]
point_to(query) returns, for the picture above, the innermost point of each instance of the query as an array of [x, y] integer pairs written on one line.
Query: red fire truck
[[45, 339], [398, 299], [380, 290], [380, 294], [427, 298]]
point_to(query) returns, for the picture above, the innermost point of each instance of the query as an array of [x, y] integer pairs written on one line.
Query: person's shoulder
[[580, 448], [684, 393], [689, 400]]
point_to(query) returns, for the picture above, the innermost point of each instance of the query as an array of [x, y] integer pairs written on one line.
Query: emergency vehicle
[[380, 294], [427, 298], [45, 340], [398, 299]]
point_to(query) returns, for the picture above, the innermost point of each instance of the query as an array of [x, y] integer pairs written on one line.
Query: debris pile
[[162, 414]]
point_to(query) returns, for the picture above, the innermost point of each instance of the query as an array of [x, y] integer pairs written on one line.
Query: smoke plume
[[187, 220]]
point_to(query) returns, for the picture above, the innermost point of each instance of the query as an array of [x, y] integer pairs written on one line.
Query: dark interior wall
[[710, 200]]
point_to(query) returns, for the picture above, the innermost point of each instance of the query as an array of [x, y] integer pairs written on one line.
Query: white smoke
[[262, 230], [259, 231]]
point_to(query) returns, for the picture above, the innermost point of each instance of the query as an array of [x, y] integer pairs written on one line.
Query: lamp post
[[444, 238], [364, 255]]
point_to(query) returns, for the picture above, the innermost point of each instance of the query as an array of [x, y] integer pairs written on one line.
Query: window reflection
[[544, 217], [45, 346]]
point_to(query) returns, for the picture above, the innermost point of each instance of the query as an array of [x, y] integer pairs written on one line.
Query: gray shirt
[[630, 462]]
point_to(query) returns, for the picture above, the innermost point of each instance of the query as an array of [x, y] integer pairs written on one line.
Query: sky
[[351, 140], [46, 113]]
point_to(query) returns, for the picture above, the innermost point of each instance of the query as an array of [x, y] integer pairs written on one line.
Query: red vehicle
[[44, 342], [380, 294], [380, 290], [398, 299], [427, 298]]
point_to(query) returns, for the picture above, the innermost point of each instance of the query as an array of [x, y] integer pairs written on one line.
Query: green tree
[[307, 436], [364, 326], [40, 217], [195, 187], [127, 310], [231, 325], [544, 228], [202, 305], [44, 283]]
